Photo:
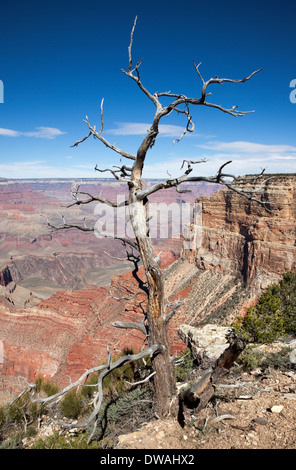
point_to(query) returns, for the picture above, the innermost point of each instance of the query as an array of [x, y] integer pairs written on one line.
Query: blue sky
[[58, 59]]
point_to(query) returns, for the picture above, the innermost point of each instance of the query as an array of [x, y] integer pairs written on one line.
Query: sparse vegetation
[[71, 405], [184, 370], [274, 315], [252, 357], [57, 441]]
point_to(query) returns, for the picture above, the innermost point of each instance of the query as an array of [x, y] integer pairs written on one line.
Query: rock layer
[[240, 237]]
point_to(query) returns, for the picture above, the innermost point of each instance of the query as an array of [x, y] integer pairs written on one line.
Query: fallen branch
[[97, 402], [221, 418]]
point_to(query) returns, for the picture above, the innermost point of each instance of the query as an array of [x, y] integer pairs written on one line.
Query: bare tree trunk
[[164, 381]]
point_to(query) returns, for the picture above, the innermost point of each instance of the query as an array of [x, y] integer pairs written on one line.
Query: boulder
[[211, 345], [214, 348]]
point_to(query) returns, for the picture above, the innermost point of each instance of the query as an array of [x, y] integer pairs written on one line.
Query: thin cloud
[[247, 147], [9, 132], [39, 133], [251, 157], [141, 128]]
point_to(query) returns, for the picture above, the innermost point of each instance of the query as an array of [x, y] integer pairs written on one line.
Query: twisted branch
[[104, 370]]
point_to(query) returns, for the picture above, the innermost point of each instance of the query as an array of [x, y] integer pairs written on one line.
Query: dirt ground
[[255, 411]]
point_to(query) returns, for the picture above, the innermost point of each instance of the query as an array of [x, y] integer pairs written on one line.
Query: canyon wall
[[241, 237]]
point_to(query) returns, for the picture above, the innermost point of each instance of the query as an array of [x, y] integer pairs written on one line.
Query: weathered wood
[[221, 358]]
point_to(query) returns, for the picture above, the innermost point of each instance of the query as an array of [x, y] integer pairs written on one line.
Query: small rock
[[290, 396], [256, 371], [276, 408], [160, 435], [292, 356], [259, 420], [292, 344]]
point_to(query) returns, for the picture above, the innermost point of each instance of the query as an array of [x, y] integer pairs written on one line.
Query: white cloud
[[251, 157], [141, 128], [9, 132], [247, 147], [39, 133]]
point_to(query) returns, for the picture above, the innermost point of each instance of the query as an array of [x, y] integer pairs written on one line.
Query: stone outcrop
[[208, 344], [240, 237], [215, 348]]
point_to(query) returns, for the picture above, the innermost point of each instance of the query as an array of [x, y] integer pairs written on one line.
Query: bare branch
[[124, 240], [98, 135], [82, 140], [131, 325], [108, 144], [219, 174], [97, 402], [75, 192], [190, 125], [192, 162], [102, 117], [130, 71], [175, 305], [141, 381], [123, 170], [130, 45], [66, 226], [220, 81]]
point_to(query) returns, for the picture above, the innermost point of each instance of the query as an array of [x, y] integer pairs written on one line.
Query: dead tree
[[159, 311]]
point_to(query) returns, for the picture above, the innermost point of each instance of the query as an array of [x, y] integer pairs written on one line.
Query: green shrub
[[46, 386], [65, 442], [184, 370], [115, 382], [87, 391], [13, 442], [2, 416], [49, 388], [278, 360], [71, 405], [250, 358], [274, 315], [287, 294]]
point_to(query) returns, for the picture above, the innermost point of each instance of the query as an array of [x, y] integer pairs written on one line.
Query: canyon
[[58, 289]]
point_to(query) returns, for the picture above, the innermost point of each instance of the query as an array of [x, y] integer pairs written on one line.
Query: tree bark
[[157, 327]]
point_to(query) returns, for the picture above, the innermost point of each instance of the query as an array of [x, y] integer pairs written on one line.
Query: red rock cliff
[[240, 236]]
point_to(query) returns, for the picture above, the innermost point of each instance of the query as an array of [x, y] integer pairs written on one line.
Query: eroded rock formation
[[240, 237]]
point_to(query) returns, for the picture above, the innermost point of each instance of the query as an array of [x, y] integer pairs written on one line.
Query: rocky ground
[[255, 410]]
